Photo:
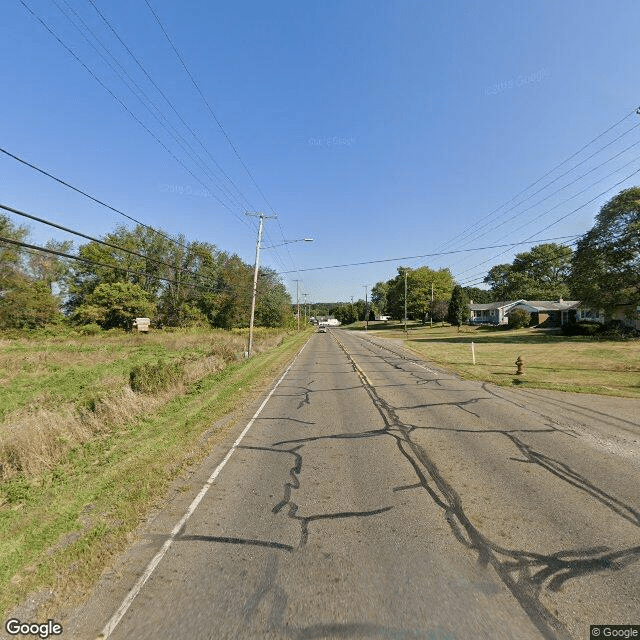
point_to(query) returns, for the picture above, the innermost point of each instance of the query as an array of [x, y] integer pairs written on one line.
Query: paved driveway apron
[[376, 497]]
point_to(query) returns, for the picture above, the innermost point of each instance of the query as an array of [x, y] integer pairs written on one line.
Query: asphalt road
[[377, 497]]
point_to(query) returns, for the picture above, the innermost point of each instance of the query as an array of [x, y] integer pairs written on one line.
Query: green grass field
[[552, 361], [64, 519]]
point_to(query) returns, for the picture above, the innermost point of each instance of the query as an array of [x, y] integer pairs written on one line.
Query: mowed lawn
[[552, 361]]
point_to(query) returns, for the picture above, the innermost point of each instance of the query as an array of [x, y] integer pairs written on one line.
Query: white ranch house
[[546, 313]]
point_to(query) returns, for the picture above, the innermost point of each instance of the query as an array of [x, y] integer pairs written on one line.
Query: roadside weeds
[[60, 532]]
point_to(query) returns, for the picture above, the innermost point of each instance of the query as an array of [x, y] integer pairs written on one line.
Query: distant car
[[322, 328]]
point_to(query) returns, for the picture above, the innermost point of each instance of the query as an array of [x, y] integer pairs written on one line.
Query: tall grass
[[91, 470], [61, 391]]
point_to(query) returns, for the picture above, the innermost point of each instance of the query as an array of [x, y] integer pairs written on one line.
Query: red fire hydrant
[[520, 364]]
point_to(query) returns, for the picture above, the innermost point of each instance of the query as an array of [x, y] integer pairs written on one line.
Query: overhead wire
[[563, 217], [469, 282], [424, 255], [559, 253], [93, 198], [145, 100], [546, 174], [494, 226], [217, 121], [227, 192], [156, 113], [571, 182], [124, 106], [120, 101], [97, 240], [63, 254], [568, 185], [206, 102]]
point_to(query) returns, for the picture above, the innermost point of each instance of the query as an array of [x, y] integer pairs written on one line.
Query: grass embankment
[[64, 517], [552, 361]]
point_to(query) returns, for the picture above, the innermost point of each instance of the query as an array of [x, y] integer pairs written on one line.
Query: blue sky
[[380, 129]]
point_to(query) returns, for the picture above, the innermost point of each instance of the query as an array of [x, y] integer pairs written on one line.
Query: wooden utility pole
[[405, 301], [255, 278], [431, 313], [298, 303], [366, 307]]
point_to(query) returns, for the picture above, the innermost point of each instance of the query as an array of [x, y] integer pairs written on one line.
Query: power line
[[555, 180], [568, 185], [191, 152], [138, 92], [549, 172], [92, 239], [122, 103], [217, 121], [567, 214], [125, 107], [425, 255], [93, 198], [166, 99], [206, 102], [474, 281], [559, 204], [558, 254], [104, 264]]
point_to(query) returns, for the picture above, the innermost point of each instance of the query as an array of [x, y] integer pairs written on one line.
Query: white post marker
[[473, 352], [135, 590]]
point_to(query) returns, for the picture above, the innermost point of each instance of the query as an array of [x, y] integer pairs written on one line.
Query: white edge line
[[155, 561]]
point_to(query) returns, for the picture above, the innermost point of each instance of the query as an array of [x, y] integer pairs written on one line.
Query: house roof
[[536, 305], [494, 305], [551, 305]]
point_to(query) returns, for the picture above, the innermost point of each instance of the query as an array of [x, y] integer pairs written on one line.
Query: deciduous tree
[[115, 304], [539, 274], [606, 264]]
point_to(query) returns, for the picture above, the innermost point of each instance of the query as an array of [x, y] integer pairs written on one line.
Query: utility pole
[[298, 303], [431, 314], [305, 308], [405, 301], [366, 308], [255, 277]]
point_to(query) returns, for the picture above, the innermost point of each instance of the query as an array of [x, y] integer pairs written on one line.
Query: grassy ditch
[[58, 392], [63, 521], [552, 361]]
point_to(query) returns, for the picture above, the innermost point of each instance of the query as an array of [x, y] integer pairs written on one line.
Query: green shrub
[[580, 328], [91, 329], [617, 330], [519, 318], [154, 377]]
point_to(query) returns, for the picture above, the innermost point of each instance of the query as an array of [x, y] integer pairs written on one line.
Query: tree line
[[205, 286], [133, 273], [603, 272]]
